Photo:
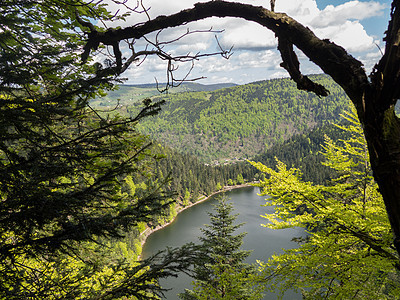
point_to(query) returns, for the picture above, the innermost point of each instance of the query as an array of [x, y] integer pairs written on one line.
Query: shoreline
[[148, 231]]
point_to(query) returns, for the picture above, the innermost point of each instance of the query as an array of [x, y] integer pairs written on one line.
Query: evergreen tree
[[220, 271], [65, 169]]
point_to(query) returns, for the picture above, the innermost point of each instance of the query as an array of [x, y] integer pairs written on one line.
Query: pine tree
[[220, 272]]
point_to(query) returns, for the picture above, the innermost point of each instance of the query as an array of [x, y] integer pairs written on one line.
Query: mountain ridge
[[128, 94]]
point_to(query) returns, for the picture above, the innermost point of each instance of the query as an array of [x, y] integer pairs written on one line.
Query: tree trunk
[[382, 132], [376, 111]]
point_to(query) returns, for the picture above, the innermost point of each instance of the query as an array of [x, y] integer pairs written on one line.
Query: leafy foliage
[[349, 250]]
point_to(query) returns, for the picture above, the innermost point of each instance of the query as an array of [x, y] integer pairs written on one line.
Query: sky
[[358, 26]]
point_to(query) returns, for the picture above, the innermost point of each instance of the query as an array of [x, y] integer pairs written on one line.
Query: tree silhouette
[[64, 166]]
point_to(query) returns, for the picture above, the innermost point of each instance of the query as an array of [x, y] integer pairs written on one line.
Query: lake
[[247, 203]]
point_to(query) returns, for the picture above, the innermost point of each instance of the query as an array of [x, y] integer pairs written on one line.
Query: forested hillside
[[124, 95], [303, 151], [241, 121], [230, 118], [190, 178]]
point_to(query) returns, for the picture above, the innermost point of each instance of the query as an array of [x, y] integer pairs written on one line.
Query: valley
[[237, 122]]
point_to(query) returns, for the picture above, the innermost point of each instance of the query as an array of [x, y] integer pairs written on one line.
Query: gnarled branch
[[331, 58], [291, 64]]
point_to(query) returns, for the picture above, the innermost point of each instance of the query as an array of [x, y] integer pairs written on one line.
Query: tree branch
[[292, 65], [331, 58]]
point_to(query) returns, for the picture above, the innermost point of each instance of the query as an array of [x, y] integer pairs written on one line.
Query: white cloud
[[337, 23], [353, 10], [278, 74], [342, 24], [216, 64], [301, 10], [351, 35], [193, 47], [245, 35], [222, 79], [264, 59]]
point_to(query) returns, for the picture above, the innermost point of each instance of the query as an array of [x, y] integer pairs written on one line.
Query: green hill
[[242, 121], [126, 94]]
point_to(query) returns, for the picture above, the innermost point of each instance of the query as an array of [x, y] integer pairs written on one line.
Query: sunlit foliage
[[348, 252]]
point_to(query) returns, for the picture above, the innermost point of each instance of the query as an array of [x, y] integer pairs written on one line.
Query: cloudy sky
[[358, 26]]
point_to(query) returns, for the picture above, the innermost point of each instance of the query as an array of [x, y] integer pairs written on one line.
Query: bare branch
[[145, 10], [331, 58], [158, 49], [188, 32], [132, 9], [224, 53], [272, 2], [84, 23]]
